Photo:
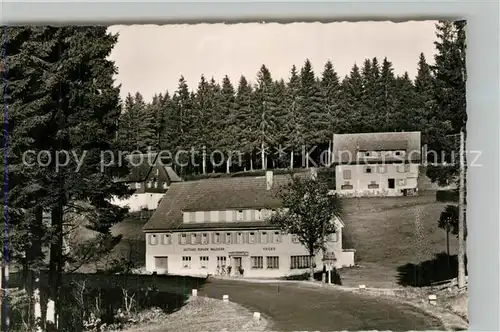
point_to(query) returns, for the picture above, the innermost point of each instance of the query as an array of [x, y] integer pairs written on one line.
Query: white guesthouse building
[[377, 164], [204, 227]]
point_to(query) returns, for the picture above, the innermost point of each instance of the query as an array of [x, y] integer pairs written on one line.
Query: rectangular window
[[401, 182], [153, 239], [138, 185], [332, 237], [346, 187], [277, 237], [239, 238], [273, 262], [183, 238], [204, 262], [194, 238], [150, 184], [382, 169], [155, 184], [300, 262], [186, 262], [346, 174], [167, 239], [204, 238], [368, 170], [221, 261], [164, 185], [228, 238], [239, 215], [373, 186], [295, 238], [216, 238], [251, 237], [263, 237], [257, 262]]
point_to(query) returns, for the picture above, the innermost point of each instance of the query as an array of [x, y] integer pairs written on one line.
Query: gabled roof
[[346, 146], [142, 166], [215, 195]]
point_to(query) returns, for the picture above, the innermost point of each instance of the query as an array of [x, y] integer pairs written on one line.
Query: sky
[[152, 58]]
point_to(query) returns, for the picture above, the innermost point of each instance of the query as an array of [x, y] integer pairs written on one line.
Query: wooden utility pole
[[461, 216]]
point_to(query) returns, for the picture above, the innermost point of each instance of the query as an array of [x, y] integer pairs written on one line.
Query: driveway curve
[[302, 307]]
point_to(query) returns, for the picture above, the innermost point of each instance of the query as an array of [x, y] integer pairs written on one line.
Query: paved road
[[300, 307]]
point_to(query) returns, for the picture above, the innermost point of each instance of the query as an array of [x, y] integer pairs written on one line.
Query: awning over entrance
[[238, 253]]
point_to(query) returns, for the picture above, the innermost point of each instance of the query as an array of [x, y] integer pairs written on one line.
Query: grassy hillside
[[392, 237]]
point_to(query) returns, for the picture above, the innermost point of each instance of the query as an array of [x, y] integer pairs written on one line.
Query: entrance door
[[161, 264], [391, 183], [237, 263]]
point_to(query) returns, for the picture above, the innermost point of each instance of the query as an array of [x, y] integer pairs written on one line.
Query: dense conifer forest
[[274, 123]]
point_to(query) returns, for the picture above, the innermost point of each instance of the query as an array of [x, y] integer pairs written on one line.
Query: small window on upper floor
[[165, 185], [398, 153], [251, 237], [368, 170], [240, 215], [216, 238], [183, 238], [150, 184], [138, 185], [204, 238], [153, 239]]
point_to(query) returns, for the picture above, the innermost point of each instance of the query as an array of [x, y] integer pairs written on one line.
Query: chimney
[[314, 173], [269, 180]]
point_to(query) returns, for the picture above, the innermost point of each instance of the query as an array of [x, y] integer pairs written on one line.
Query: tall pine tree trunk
[[251, 161], [263, 156], [55, 268], [204, 161], [291, 160]]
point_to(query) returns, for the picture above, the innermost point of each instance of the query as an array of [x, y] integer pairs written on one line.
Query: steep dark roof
[[346, 145], [213, 195], [142, 166]]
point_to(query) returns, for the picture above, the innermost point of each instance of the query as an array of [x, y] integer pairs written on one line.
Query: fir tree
[[295, 121], [264, 104], [386, 90], [352, 87], [245, 120], [331, 89], [408, 117], [425, 102], [312, 109]]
